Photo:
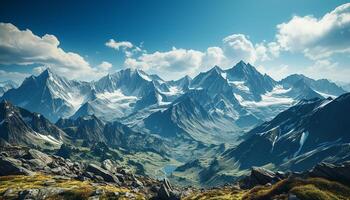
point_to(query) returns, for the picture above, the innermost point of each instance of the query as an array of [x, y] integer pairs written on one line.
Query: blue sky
[[87, 39]]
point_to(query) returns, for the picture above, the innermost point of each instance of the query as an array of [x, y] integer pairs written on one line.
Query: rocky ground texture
[[31, 174]]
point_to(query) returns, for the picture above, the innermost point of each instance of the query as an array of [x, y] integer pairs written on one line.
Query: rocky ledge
[[31, 174], [106, 180]]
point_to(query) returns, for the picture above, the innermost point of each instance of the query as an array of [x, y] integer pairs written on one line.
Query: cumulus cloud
[[23, 47], [179, 62], [317, 38], [238, 47], [119, 45], [104, 66], [176, 61], [15, 76], [278, 72], [325, 68]]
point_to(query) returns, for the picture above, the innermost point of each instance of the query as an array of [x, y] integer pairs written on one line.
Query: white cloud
[[237, 47], [277, 73], [38, 70], [105, 66], [22, 47], [14, 76], [325, 68], [170, 64], [317, 38], [179, 62], [117, 45]]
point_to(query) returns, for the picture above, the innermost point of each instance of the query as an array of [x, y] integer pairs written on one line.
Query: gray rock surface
[[106, 175], [11, 166]]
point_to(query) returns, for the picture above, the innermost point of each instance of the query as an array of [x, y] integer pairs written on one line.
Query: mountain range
[[239, 97], [213, 127]]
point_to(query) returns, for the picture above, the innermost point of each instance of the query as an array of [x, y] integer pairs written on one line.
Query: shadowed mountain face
[[19, 126], [299, 133], [91, 130], [308, 133]]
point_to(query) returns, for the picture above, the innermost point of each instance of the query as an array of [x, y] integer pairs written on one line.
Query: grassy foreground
[[303, 189], [71, 189]]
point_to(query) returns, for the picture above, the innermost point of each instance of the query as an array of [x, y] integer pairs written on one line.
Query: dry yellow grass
[[73, 189], [304, 189], [217, 194]]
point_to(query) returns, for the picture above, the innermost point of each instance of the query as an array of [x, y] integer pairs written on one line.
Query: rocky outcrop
[[261, 176], [11, 166], [106, 175], [24, 161], [35, 154], [167, 192], [340, 172]]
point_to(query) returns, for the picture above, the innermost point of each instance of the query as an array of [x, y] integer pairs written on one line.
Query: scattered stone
[[28, 194], [340, 172], [107, 176], [46, 192], [35, 154], [166, 192], [259, 176], [98, 192], [94, 198], [108, 165], [57, 170], [11, 166], [9, 193], [49, 182], [36, 164], [4, 154], [292, 197], [137, 183]]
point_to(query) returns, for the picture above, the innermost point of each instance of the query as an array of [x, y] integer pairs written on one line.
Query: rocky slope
[[19, 126], [297, 139], [31, 174]]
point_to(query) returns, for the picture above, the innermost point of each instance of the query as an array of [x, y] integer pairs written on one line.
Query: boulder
[[108, 165], [106, 175], [35, 164], [11, 166], [136, 183], [260, 176], [339, 172], [292, 197], [35, 154], [166, 192], [28, 194]]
